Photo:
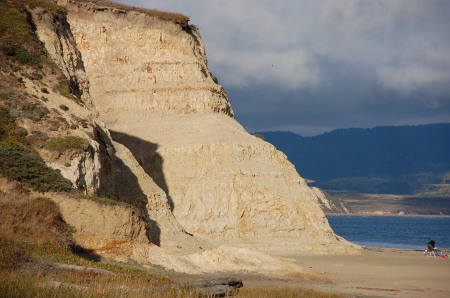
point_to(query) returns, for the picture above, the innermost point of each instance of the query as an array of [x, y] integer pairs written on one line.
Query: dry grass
[[68, 143], [33, 236], [23, 218], [170, 16], [27, 271]]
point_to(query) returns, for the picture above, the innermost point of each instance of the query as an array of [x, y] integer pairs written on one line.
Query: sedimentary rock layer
[[150, 83]]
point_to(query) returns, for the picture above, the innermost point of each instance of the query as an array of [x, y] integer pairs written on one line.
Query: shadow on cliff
[[118, 182], [145, 153]]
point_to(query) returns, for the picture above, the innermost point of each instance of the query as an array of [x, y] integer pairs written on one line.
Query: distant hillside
[[400, 160]]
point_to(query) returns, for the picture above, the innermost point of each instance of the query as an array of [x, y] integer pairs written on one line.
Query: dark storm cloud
[[312, 66]]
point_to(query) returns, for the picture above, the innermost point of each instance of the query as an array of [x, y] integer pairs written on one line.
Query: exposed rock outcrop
[[170, 146], [56, 34], [138, 63], [100, 225], [331, 204]]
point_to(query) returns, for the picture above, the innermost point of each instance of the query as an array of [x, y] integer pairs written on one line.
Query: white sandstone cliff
[[171, 147], [150, 83]]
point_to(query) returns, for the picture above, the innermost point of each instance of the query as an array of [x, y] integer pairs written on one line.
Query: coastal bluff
[[163, 138]]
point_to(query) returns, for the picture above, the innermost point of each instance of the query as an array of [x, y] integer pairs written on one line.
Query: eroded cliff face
[[137, 63], [162, 138], [226, 184], [150, 83]]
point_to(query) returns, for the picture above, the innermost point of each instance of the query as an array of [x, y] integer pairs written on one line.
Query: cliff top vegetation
[[170, 16]]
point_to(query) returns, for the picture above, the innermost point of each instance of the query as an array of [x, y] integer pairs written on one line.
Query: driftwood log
[[219, 287]]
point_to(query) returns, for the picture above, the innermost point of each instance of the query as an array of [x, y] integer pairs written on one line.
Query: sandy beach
[[377, 272]]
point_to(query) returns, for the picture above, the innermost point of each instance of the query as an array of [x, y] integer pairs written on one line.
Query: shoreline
[[389, 215], [403, 249], [443, 249], [409, 232]]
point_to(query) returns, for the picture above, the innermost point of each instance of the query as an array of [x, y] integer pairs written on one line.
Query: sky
[[310, 66]]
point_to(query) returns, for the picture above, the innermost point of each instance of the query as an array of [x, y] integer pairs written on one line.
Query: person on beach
[[431, 247]]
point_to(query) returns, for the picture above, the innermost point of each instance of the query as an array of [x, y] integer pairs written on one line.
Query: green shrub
[[35, 76], [7, 123], [30, 168], [24, 57], [7, 95], [64, 107], [21, 132], [64, 90], [69, 142], [34, 111], [13, 112], [10, 134], [71, 229], [19, 162], [38, 138], [214, 78], [80, 121]]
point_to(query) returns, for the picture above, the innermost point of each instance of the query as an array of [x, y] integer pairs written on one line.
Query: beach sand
[[377, 272]]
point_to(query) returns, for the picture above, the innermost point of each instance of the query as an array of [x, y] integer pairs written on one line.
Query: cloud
[[291, 69], [412, 78], [404, 43]]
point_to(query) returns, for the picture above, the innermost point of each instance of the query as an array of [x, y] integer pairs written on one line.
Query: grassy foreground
[[29, 270]]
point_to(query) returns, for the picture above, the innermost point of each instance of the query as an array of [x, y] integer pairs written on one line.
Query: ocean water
[[392, 231]]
